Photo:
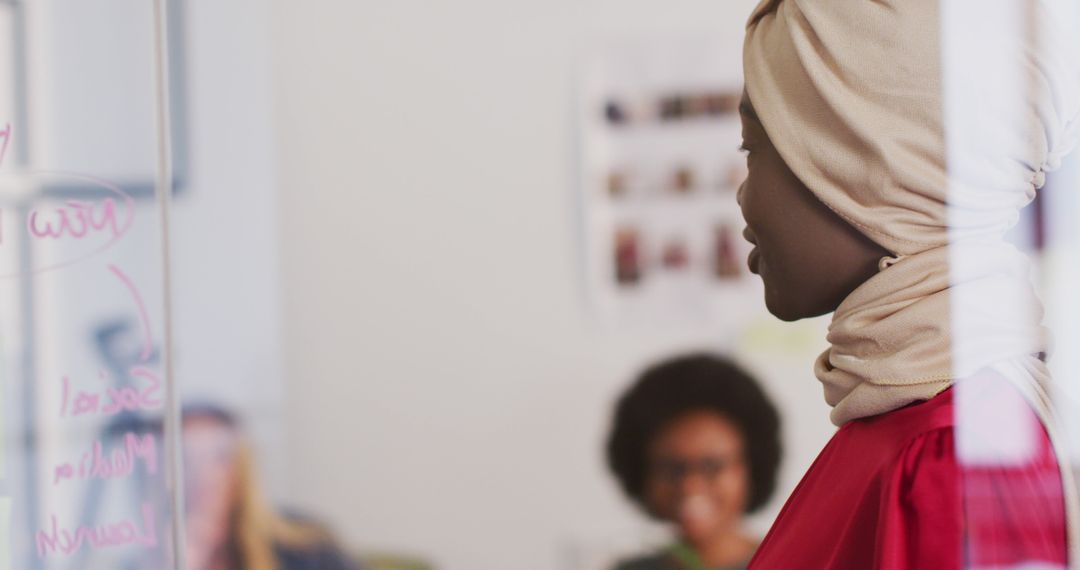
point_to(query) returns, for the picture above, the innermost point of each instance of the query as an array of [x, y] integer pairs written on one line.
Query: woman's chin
[[781, 308], [696, 536], [790, 306], [699, 527]]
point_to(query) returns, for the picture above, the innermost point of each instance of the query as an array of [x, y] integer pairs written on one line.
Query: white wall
[[447, 393], [226, 264]]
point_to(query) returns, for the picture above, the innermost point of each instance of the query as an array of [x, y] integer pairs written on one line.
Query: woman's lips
[[696, 511], [748, 235], [752, 259]]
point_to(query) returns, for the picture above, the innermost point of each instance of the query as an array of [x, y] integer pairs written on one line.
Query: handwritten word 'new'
[[76, 219]]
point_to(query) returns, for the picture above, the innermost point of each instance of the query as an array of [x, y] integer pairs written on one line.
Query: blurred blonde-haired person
[[230, 524]]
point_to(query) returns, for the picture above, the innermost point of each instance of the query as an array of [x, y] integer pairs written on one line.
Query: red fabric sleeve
[[937, 513], [891, 493], [1015, 513], [920, 524]]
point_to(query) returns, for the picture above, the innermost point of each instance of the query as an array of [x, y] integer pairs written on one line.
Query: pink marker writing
[[97, 464], [76, 220], [5, 138], [68, 541], [112, 400], [144, 316]]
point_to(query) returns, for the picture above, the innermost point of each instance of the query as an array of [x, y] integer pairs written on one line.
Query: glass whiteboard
[[88, 454]]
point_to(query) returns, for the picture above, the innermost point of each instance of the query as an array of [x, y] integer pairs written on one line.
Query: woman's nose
[[693, 482]]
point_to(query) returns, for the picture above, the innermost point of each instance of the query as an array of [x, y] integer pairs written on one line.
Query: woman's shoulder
[[908, 422], [659, 560], [985, 405], [653, 561], [989, 481], [982, 422], [318, 556], [663, 560], [865, 448], [310, 545]]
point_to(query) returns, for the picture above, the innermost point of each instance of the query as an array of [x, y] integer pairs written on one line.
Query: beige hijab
[[852, 96], [883, 119]]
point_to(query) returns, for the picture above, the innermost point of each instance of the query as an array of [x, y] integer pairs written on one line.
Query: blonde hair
[[255, 527]]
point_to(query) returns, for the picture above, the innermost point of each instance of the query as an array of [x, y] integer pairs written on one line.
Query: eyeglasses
[[673, 470]]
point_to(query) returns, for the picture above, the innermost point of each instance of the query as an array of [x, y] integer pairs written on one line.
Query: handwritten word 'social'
[[113, 400]]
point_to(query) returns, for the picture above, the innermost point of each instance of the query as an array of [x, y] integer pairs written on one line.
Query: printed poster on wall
[[660, 168]]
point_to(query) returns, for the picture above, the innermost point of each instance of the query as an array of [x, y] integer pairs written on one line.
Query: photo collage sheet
[[660, 170]]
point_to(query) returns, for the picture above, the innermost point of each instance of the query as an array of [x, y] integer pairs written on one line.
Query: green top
[[674, 557]]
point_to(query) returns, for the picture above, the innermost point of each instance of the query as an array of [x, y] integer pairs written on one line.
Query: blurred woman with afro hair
[[696, 442]]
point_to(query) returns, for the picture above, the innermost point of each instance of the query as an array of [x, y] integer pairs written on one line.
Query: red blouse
[[889, 493]]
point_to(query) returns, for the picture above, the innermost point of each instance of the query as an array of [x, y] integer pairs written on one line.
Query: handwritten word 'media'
[[96, 464], [66, 541], [113, 400]]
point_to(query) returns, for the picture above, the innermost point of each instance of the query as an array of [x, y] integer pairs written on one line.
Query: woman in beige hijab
[[858, 204]]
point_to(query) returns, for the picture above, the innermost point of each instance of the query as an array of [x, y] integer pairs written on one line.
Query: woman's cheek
[[659, 500], [737, 490]]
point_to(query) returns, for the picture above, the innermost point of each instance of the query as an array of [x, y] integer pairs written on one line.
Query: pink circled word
[[78, 218], [75, 220]]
